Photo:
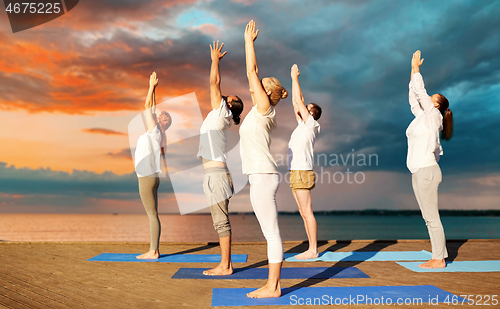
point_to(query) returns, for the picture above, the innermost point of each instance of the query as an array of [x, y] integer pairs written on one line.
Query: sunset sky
[[69, 89]]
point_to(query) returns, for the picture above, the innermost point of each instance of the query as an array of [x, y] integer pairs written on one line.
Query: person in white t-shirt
[[217, 183], [147, 156], [259, 164], [432, 115], [301, 161]]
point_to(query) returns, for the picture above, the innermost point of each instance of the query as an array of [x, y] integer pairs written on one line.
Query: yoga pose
[[217, 183], [259, 164], [432, 116], [150, 146], [301, 161]]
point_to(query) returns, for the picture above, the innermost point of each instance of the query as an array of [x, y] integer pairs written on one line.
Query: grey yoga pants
[[218, 188], [425, 183], [148, 190]]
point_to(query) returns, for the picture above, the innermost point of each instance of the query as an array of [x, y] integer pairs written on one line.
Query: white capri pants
[[425, 183], [263, 189]]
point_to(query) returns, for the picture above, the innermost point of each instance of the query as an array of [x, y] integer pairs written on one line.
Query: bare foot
[[307, 255], [266, 292], [150, 255], [433, 264], [220, 270]]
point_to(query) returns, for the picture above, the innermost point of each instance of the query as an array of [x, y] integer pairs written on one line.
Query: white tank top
[[255, 139], [213, 134]]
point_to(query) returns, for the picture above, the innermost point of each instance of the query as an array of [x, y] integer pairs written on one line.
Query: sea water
[[198, 227]]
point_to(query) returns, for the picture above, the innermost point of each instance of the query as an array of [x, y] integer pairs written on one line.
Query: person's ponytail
[[444, 109], [236, 109], [236, 119], [447, 125]]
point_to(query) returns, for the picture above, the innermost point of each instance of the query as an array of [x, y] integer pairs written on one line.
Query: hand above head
[[216, 51], [250, 32], [416, 62], [153, 80], [295, 71]]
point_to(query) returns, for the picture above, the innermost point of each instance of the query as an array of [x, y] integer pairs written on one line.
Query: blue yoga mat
[[329, 256], [375, 295], [168, 258], [286, 273], [456, 266]]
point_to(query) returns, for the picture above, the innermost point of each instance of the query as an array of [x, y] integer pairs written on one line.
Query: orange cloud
[[103, 131]]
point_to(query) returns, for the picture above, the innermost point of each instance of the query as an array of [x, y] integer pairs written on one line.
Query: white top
[[423, 131], [148, 153], [213, 134], [255, 139], [301, 145]]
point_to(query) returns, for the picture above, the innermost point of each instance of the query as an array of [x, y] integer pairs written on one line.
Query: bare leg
[[303, 199], [225, 267], [433, 264], [273, 285]]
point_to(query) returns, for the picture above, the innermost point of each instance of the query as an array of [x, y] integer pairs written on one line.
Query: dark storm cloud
[[362, 60], [354, 58], [359, 55]]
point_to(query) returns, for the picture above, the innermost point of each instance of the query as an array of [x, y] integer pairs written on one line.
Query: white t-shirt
[[255, 142], [301, 145], [423, 131], [213, 134], [148, 153]]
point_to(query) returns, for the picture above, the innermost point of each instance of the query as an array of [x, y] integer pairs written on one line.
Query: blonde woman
[[258, 163], [150, 146], [432, 115]]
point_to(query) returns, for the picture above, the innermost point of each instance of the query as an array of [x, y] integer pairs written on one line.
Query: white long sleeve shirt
[[424, 147]]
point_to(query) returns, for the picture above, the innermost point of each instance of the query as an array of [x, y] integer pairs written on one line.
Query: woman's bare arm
[[257, 91], [297, 98], [215, 92], [150, 103]]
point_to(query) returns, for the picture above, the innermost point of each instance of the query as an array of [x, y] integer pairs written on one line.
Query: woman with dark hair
[[259, 164], [432, 115], [150, 147], [217, 183], [301, 162]]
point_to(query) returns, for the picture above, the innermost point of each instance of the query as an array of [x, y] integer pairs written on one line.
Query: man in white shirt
[[301, 161]]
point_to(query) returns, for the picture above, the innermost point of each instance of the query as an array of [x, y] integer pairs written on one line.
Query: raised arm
[[215, 93], [150, 103], [415, 106], [257, 91], [299, 107], [418, 84]]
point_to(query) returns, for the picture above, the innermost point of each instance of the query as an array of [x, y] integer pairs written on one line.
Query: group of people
[[432, 116]]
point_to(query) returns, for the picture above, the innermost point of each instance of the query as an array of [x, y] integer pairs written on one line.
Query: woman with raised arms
[[259, 164], [301, 162], [148, 152], [217, 183], [432, 115]]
